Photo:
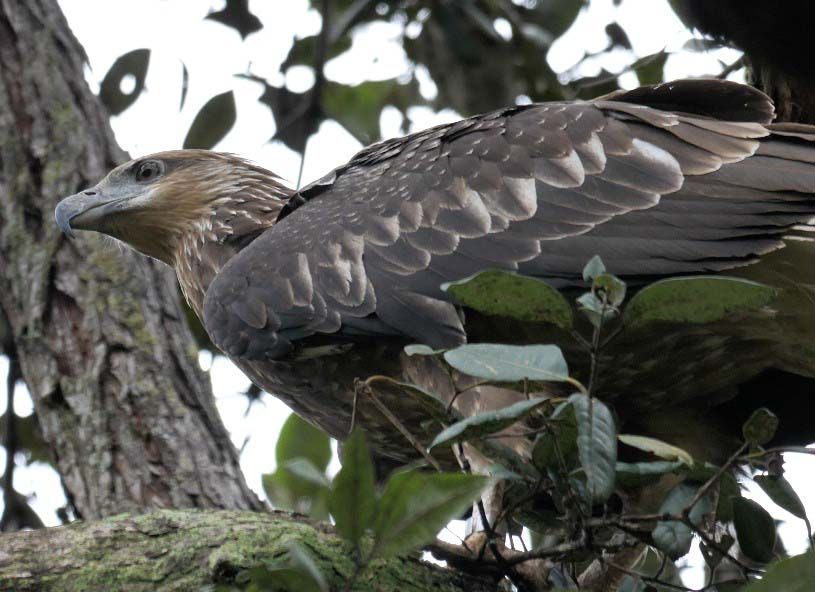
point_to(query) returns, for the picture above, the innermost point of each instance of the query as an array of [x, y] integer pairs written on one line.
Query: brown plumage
[[306, 291]]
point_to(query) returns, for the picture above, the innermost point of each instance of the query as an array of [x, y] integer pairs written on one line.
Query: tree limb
[[185, 550]]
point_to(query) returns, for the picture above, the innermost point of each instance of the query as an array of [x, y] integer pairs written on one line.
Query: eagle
[[310, 290]]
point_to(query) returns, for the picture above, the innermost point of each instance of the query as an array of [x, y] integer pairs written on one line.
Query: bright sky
[[177, 33]]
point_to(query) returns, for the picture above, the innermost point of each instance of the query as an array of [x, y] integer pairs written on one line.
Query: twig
[[348, 19], [595, 348], [463, 558], [525, 434], [302, 165], [777, 449], [464, 390], [728, 70], [577, 384], [399, 425], [10, 444], [580, 340], [703, 490], [559, 550], [651, 579], [485, 522], [354, 408], [726, 554]]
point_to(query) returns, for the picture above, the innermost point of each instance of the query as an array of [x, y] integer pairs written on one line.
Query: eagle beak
[[84, 210]]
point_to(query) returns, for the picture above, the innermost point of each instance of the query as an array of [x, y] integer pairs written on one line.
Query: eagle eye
[[148, 170]]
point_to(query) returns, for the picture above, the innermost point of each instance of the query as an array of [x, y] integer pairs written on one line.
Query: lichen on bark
[[183, 550], [98, 330]]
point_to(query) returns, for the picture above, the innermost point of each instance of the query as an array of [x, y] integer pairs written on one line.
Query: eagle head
[[166, 203]]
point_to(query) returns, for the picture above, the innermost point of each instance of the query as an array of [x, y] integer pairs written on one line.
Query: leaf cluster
[[377, 522]]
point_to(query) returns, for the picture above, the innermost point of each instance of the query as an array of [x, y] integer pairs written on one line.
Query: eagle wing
[[686, 177]]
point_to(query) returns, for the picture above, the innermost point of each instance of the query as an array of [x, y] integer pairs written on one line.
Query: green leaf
[[212, 123], [760, 427], [713, 555], [299, 483], [702, 44], [295, 116], [781, 492], [795, 574], [416, 505], [420, 349], [295, 571], [563, 425], [489, 422], [353, 498], [634, 475], [505, 294], [650, 69], [593, 268], [133, 63], [498, 472], [729, 489], [303, 563], [596, 445], [29, 436], [298, 490], [613, 287], [657, 448], [299, 439], [652, 564], [630, 584], [507, 456], [302, 51], [557, 17], [673, 537], [755, 529], [431, 405], [185, 85], [305, 470], [700, 299], [536, 35], [358, 108], [509, 363], [594, 309], [236, 14]]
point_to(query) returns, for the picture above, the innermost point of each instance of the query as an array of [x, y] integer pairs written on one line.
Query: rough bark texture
[[186, 550], [794, 97], [98, 331], [776, 40]]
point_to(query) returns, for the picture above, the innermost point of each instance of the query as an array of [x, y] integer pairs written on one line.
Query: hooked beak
[[84, 210]]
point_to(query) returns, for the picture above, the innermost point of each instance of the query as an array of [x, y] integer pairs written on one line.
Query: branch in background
[[17, 513], [352, 15], [315, 98], [7, 521], [330, 34], [728, 70]]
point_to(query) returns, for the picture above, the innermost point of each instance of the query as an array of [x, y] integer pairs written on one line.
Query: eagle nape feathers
[[687, 177]]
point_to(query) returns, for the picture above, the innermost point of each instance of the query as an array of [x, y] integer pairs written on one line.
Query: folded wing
[[687, 177]]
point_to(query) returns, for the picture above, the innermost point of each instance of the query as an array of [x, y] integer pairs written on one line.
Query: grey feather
[[687, 177]]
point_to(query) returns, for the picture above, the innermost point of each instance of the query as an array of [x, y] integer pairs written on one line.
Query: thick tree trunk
[[186, 550], [775, 38], [98, 331], [794, 96]]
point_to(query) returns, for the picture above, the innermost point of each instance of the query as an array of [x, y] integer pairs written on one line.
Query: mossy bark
[[186, 550], [98, 330]]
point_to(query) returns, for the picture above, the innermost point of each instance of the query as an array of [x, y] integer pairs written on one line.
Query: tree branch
[[188, 550]]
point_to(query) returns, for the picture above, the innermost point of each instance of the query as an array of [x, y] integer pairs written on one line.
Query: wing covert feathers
[[684, 177]]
